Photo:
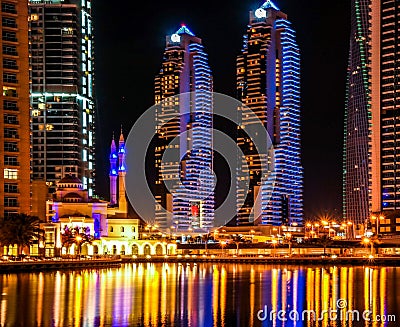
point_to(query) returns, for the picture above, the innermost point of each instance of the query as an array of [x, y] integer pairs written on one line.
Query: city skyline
[[322, 155], [226, 163]]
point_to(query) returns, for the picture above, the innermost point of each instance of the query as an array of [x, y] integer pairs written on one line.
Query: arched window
[[122, 229], [111, 229], [133, 229]]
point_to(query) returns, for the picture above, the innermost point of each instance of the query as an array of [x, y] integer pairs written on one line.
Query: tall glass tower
[[268, 82], [184, 185], [372, 139], [62, 95], [358, 114]]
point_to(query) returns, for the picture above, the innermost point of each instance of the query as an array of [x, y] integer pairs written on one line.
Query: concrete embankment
[[22, 266], [345, 261]]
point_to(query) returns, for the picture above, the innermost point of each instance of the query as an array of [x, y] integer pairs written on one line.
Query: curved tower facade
[[372, 139], [184, 125], [268, 82], [357, 119]]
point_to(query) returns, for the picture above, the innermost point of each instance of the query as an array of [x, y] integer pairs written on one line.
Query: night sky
[[129, 44]]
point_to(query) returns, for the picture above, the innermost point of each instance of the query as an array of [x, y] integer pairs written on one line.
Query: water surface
[[148, 294]]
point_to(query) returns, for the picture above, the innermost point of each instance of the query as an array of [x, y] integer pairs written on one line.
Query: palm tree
[[6, 234], [77, 236], [237, 239], [20, 229]]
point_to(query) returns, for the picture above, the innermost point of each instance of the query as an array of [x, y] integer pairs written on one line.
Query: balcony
[[6, 22]]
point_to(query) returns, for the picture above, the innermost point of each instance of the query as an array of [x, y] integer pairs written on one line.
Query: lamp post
[[274, 244], [326, 225], [288, 236], [309, 226], [176, 226], [366, 242], [316, 225]]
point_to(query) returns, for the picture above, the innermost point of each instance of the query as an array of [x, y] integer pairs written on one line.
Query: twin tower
[[268, 82]]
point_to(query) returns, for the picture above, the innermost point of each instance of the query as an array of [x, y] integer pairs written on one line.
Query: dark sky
[[129, 43]]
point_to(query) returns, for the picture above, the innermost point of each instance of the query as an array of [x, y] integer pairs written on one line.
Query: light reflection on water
[[196, 295]]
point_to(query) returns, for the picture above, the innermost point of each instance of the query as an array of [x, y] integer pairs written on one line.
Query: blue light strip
[[269, 4]]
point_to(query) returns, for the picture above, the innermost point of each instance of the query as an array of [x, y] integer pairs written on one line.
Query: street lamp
[[376, 221], [316, 225], [288, 236], [274, 244], [366, 241], [176, 226], [308, 227]]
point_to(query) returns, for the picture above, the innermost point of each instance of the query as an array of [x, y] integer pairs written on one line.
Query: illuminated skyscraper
[[372, 139], [268, 82], [356, 147], [62, 98], [190, 197], [14, 103]]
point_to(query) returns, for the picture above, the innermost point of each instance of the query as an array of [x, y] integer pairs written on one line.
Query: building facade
[[71, 208], [14, 102], [378, 35], [184, 124], [268, 83], [358, 113], [62, 95]]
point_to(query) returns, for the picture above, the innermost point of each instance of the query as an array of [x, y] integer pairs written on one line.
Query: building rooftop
[[269, 4], [184, 30]]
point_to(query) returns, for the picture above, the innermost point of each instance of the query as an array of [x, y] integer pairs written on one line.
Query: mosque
[[113, 227]]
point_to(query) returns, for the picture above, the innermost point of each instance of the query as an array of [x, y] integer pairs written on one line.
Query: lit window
[[34, 17], [10, 173]]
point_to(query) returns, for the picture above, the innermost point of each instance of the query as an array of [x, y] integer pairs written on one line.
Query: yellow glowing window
[[11, 173], [49, 127], [34, 17], [9, 91], [35, 113]]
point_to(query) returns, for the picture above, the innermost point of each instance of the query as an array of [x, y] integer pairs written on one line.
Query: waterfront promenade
[[99, 263], [260, 259]]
